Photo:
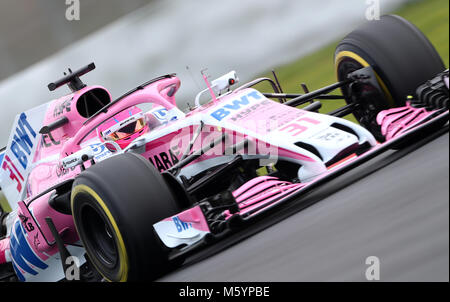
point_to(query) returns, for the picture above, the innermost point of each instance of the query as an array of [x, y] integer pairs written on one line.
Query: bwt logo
[[22, 144], [221, 113], [180, 224]]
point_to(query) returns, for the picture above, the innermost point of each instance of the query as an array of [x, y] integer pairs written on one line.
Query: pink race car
[[123, 190]]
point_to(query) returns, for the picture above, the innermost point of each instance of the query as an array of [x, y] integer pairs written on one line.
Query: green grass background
[[317, 69]]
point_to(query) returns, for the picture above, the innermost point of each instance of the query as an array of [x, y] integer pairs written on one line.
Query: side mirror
[[113, 147], [78, 157], [97, 151]]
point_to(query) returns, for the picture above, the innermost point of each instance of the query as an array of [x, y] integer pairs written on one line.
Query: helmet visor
[[127, 130]]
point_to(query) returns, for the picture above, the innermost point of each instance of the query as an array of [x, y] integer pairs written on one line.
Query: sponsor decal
[[180, 224], [21, 150], [61, 171], [14, 173], [27, 225], [48, 141], [160, 114], [63, 107], [100, 151], [71, 161], [235, 105], [163, 160], [333, 135], [22, 143], [107, 132], [163, 115], [297, 128], [36, 241], [249, 110], [126, 121], [24, 259], [19, 154]]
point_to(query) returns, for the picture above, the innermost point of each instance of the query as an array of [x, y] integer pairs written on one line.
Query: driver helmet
[[124, 127]]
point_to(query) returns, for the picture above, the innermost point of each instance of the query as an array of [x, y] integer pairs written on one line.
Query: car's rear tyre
[[401, 56], [115, 204]]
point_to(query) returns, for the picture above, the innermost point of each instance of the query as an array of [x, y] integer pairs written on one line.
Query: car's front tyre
[[401, 57], [115, 204]]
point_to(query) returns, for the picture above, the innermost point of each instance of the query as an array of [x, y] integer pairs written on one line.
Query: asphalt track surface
[[394, 207]]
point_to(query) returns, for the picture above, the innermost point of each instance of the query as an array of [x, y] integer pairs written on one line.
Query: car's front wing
[[195, 227]]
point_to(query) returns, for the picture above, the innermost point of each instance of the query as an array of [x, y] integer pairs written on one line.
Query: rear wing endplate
[[16, 159]]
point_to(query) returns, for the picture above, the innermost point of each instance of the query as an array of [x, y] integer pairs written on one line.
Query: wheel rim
[[99, 236], [365, 112]]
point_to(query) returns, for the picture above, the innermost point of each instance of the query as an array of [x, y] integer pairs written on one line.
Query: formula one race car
[[125, 189]]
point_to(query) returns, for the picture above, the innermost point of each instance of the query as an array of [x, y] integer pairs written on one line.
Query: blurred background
[[135, 40], [132, 41]]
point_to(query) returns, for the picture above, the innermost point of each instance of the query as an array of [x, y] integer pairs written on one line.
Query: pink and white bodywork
[[34, 162]]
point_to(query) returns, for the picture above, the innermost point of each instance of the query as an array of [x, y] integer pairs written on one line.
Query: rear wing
[[16, 159]]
